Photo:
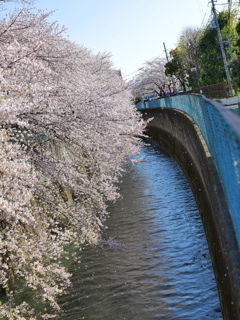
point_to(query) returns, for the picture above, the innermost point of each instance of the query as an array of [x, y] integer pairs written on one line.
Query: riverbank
[[180, 136]]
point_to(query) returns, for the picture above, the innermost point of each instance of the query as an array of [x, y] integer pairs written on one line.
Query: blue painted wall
[[220, 128]]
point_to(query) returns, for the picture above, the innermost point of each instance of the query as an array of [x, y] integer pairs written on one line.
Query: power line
[[130, 74], [203, 21], [139, 68], [200, 5]]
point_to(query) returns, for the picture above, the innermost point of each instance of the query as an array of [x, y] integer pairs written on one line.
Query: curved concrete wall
[[221, 130], [181, 137]]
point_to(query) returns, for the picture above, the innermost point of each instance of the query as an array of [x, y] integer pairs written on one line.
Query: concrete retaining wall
[[180, 136]]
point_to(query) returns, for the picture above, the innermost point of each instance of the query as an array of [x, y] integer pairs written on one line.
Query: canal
[[158, 266]]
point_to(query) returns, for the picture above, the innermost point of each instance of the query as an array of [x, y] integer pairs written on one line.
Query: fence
[[214, 91], [220, 128]]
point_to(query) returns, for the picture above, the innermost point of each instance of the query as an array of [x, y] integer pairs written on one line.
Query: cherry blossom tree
[[151, 79], [67, 125]]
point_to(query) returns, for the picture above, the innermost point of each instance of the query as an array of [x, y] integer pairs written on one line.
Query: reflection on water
[[163, 271]]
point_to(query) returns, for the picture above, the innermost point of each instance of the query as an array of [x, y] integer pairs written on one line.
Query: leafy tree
[[188, 47], [175, 67], [212, 67], [235, 63], [238, 27]]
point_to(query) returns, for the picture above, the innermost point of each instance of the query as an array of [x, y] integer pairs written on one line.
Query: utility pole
[[165, 51], [229, 34], [222, 49], [174, 89]]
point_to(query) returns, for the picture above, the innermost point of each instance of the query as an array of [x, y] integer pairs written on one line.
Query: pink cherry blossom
[[67, 125]]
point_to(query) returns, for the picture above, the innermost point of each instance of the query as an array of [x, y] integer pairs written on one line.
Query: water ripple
[[164, 270]]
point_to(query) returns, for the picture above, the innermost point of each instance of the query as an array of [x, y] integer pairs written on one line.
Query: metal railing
[[220, 128]]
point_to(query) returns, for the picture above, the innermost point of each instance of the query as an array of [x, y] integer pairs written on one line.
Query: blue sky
[[133, 31]]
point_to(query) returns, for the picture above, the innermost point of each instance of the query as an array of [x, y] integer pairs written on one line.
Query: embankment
[[175, 131]]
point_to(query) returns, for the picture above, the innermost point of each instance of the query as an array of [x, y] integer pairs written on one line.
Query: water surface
[[160, 268]]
